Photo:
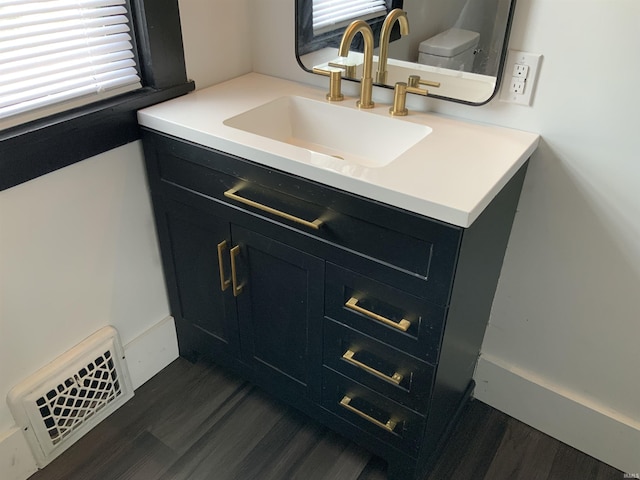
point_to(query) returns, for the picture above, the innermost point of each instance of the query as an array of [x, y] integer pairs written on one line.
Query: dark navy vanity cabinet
[[366, 317]]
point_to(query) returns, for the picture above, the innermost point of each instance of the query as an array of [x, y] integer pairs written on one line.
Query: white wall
[[561, 349], [217, 39], [77, 252]]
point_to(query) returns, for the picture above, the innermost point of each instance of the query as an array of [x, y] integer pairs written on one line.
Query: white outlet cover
[[531, 60]]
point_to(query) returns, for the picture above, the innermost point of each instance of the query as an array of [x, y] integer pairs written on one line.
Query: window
[[331, 14], [56, 51], [45, 144]]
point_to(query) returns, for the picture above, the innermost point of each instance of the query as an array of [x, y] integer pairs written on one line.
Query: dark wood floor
[[197, 422]]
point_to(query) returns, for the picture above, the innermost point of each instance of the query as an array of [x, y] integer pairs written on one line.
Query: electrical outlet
[[517, 86], [520, 86], [520, 70]]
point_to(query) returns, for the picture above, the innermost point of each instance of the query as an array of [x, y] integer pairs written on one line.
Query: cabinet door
[[280, 312], [197, 297]]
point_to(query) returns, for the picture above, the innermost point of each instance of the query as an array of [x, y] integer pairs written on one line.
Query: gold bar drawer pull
[[389, 426], [237, 286], [402, 325], [396, 378], [315, 225], [224, 282]]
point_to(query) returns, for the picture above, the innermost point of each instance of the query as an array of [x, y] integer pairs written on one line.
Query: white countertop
[[450, 175]]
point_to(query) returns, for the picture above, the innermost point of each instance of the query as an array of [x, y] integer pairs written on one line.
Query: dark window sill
[[43, 146]]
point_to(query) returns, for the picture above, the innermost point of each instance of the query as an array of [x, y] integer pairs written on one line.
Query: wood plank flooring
[[197, 422]]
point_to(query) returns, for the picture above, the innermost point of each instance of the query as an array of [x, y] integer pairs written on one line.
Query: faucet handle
[[335, 83], [349, 69], [415, 81], [401, 89]]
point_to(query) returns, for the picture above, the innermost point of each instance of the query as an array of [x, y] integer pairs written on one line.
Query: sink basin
[[355, 136]]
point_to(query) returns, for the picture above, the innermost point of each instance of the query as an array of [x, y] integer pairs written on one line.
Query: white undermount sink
[[355, 136]]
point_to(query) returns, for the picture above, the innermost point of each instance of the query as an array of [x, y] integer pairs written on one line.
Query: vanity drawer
[[383, 312], [423, 248], [380, 367], [372, 412]]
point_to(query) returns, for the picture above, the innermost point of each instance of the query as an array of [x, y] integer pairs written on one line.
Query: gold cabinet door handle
[[389, 426], [315, 225], [402, 325], [237, 288], [224, 282], [396, 378]]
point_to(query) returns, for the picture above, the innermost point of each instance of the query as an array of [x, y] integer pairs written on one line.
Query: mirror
[[460, 44]]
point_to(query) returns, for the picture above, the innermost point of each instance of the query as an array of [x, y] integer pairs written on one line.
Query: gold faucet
[[366, 85], [400, 16]]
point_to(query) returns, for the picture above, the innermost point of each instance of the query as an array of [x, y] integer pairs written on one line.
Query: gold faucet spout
[[396, 15], [366, 86]]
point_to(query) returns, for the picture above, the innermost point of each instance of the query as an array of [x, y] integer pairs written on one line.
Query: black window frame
[[36, 148]]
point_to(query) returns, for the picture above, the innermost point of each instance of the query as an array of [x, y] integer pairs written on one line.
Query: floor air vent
[[64, 400]]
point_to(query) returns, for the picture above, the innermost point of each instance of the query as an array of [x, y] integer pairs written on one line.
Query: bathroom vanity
[[356, 293]]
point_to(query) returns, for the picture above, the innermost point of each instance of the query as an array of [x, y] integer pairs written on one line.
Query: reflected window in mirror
[[320, 23]]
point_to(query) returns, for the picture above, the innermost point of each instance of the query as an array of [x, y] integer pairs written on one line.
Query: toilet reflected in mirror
[[455, 49]]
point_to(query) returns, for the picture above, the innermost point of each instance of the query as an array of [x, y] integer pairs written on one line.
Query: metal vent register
[[61, 402]]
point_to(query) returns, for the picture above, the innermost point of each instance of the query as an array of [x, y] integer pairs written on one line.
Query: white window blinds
[[330, 14], [53, 51]]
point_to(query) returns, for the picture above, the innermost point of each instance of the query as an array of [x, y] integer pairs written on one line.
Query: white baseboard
[[151, 351], [563, 414], [16, 459], [145, 355]]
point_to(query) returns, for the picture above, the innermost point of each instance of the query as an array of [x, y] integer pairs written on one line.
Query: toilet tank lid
[[450, 42]]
